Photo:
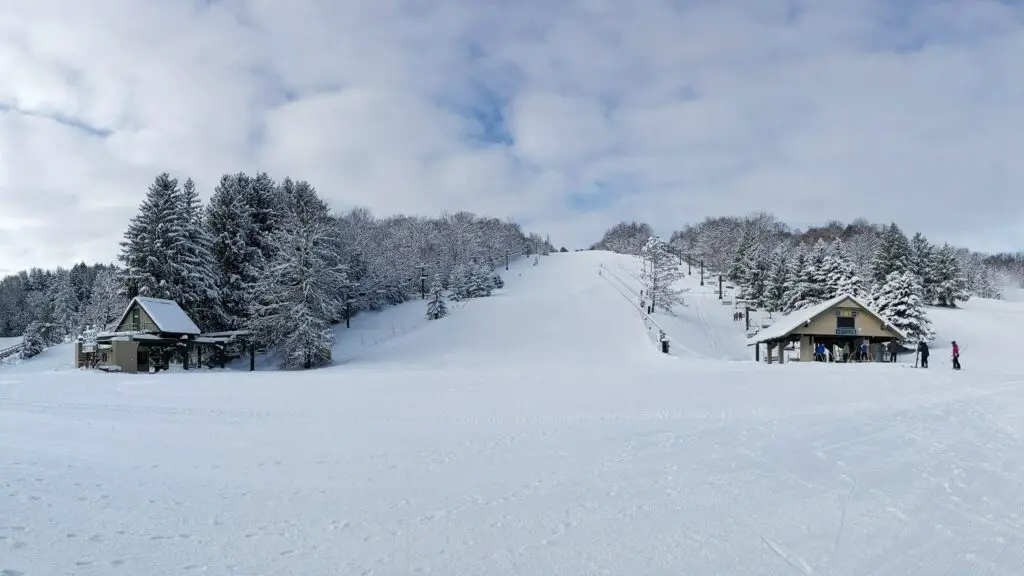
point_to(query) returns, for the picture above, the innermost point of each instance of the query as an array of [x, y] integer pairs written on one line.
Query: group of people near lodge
[[888, 352]]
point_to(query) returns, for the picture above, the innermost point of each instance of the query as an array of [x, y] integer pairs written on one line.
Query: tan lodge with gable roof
[[842, 321]]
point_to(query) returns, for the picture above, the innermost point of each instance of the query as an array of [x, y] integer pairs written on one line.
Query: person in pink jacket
[[956, 356]]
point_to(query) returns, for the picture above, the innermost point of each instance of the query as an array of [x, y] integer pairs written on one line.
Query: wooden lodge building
[[843, 320], [152, 332]]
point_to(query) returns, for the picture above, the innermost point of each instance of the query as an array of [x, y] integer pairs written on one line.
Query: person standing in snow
[[922, 349], [892, 350], [956, 356]]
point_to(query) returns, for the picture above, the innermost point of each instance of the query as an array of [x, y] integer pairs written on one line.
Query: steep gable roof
[[790, 322], [166, 314]]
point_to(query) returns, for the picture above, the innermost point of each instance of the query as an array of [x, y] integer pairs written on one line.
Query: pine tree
[[892, 254], [950, 283], [738, 269], [460, 283], [436, 307], [754, 275], [899, 302], [778, 275], [106, 303], [922, 264], [480, 281], [807, 285], [155, 237], [229, 224], [199, 293], [299, 291], [661, 273], [264, 202], [838, 272], [33, 341], [794, 288], [66, 307]]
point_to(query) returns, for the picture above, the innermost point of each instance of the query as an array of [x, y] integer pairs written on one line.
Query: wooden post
[[252, 358], [199, 356], [184, 363], [757, 352]]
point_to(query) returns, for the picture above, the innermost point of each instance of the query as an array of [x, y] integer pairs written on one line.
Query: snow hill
[[538, 431]]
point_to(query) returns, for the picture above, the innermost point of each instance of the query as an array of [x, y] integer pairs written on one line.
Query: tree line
[[268, 257], [782, 270]]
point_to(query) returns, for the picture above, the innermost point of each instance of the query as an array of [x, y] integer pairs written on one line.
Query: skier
[[922, 349], [956, 356]]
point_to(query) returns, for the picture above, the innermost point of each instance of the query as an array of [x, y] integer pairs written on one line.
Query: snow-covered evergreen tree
[[155, 237], [265, 204], [481, 281], [106, 302], [229, 222], [899, 302], [199, 294], [66, 307], [460, 283], [949, 282], [299, 292], [922, 264], [838, 272], [33, 341], [739, 267], [807, 286], [892, 254], [753, 274], [778, 276], [661, 274], [437, 307]]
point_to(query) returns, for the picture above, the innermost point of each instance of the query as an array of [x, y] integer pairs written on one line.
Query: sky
[[568, 115]]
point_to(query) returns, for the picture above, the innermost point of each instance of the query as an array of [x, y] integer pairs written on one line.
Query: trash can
[[664, 346]]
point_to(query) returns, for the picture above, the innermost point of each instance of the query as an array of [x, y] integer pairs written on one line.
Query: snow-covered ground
[[7, 342], [538, 431]]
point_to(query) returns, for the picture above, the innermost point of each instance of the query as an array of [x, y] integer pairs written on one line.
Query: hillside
[[538, 431]]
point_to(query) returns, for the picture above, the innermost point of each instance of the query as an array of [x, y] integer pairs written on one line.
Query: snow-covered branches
[[660, 273]]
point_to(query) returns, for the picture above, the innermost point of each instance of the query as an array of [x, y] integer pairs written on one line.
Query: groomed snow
[[535, 432]]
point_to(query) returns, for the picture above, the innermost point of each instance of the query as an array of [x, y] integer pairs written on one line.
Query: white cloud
[[664, 110]]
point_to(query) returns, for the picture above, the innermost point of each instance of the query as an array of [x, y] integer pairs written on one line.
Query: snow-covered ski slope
[[563, 443], [559, 310]]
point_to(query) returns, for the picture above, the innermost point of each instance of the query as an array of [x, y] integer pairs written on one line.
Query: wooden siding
[[145, 323], [866, 324]]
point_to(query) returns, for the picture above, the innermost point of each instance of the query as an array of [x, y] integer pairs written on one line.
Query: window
[[845, 326]]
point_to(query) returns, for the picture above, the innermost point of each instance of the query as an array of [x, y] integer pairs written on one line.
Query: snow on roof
[[166, 314], [786, 324]]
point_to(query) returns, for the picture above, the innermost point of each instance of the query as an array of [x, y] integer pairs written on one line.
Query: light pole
[[702, 271]]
